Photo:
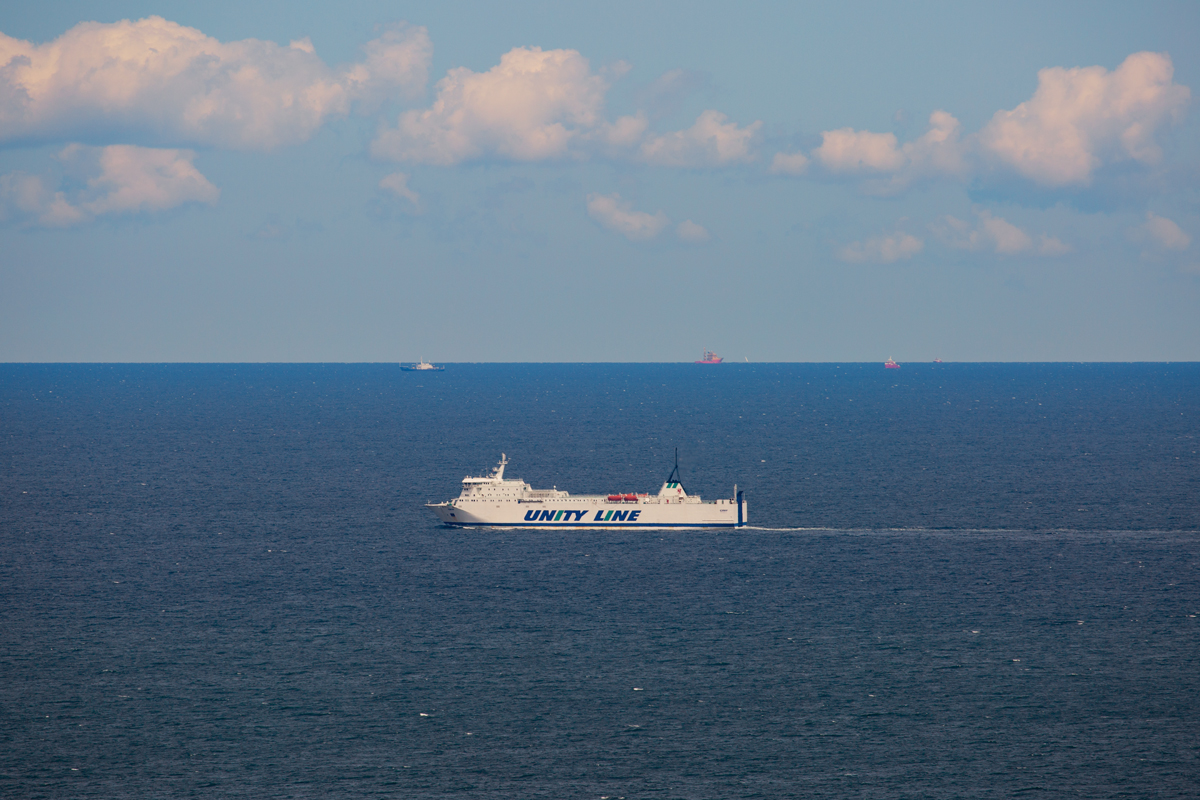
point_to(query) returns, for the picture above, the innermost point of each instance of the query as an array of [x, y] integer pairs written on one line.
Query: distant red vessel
[[889, 364], [710, 358]]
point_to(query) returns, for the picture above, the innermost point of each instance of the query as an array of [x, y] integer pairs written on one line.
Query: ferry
[[421, 366], [494, 501], [890, 364], [709, 358]]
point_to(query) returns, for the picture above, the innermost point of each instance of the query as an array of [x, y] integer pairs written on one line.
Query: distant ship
[[890, 364], [709, 358], [498, 502], [421, 366], [937, 361]]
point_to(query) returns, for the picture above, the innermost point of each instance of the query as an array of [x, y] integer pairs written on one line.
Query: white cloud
[[1004, 236], [397, 62], [689, 231], [622, 135], [159, 82], [710, 142], [143, 179], [789, 164], [27, 199], [397, 184], [847, 150], [1161, 232], [1080, 119], [539, 105], [882, 249], [618, 215], [527, 108], [1077, 121], [995, 234], [939, 151], [1052, 246], [888, 165], [118, 179], [957, 233]]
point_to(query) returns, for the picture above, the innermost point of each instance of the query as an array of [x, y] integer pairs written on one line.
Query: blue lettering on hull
[[556, 515]]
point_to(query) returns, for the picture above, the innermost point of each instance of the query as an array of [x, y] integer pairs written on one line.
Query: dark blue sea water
[[965, 581]]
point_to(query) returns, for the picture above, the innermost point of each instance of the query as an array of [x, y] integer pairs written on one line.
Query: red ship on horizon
[[709, 358]]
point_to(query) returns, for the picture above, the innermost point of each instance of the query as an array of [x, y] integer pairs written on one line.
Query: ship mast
[[674, 476]]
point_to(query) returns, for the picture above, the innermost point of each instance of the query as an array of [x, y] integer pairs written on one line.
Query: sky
[[610, 182]]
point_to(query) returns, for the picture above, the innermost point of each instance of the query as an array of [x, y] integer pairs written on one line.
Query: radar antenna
[[498, 471]]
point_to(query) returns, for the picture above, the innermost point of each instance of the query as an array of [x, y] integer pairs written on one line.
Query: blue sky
[[604, 182]]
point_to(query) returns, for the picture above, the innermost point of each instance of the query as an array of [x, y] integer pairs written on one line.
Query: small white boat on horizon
[[421, 366]]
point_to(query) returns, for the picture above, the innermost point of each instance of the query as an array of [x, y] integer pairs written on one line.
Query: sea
[[958, 581]]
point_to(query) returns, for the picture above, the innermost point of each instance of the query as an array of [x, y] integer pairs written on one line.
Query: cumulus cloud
[[710, 142], [1006, 237], [397, 63], [887, 165], [692, 233], [1080, 119], [939, 151], [789, 164], [1077, 122], [1161, 233], [849, 151], [141, 179], [616, 139], [397, 184], [539, 105], [882, 249], [1052, 246], [155, 81], [118, 179], [618, 215], [29, 199], [995, 234], [529, 107]]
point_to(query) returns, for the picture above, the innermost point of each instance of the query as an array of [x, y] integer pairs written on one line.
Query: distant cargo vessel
[[421, 366], [496, 502], [709, 358]]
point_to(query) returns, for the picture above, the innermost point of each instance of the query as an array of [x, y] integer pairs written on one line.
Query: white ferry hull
[[584, 513], [494, 501]]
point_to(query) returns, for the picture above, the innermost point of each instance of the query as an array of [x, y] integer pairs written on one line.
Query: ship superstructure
[[499, 502], [421, 366]]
